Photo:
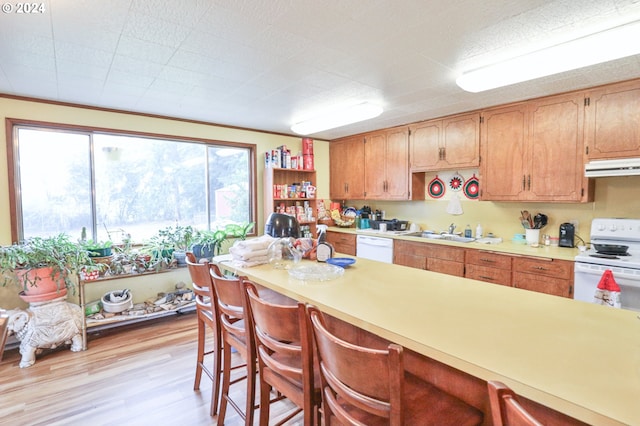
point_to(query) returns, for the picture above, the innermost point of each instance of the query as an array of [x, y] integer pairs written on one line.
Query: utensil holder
[[532, 236]]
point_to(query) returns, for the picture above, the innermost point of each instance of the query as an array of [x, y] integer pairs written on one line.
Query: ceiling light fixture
[[593, 49], [338, 118]]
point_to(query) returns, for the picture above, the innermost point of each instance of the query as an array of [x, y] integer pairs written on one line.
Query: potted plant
[[209, 243], [178, 239], [43, 267]]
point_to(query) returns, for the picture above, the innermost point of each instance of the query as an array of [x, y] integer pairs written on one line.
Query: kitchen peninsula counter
[[576, 358]]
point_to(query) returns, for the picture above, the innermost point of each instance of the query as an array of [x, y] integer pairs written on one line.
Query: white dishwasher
[[375, 248]]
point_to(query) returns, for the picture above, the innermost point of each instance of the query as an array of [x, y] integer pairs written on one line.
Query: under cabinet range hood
[[621, 167]]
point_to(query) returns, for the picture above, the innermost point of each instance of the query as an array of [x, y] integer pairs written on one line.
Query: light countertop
[[577, 358], [507, 246]]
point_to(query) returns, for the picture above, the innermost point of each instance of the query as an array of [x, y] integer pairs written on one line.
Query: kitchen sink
[[448, 237]]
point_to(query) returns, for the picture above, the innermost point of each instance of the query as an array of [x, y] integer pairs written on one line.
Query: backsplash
[[614, 197]]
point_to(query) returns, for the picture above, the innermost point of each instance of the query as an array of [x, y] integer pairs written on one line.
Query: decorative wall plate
[[436, 187], [456, 182], [472, 187]]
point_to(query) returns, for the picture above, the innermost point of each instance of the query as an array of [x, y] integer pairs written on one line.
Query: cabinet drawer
[[443, 252], [410, 247], [446, 267], [488, 274], [543, 284], [408, 259], [490, 259], [541, 266]]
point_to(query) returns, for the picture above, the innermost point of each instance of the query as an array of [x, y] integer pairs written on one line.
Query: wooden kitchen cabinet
[[409, 253], [488, 266], [540, 145], [386, 164], [432, 257], [342, 243], [551, 276], [445, 144], [346, 169], [612, 128]]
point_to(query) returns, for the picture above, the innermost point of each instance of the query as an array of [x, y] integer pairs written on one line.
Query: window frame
[[11, 128]]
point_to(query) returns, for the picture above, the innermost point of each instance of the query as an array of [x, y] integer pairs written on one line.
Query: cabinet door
[[503, 137], [488, 274], [543, 284], [342, 243], [425, 146], [555, 170], [374, 173], [397, 164], [613, 121], [409, 253], [461, 142], [346, 158]]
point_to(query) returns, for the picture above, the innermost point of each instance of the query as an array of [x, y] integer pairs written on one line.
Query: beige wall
[[28, 110]]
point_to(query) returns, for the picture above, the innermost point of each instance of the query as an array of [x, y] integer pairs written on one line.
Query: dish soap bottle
[[324, 250], [478, 231], [467, 232]]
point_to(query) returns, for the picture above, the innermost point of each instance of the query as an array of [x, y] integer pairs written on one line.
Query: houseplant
[[43, 267], [209, 243]]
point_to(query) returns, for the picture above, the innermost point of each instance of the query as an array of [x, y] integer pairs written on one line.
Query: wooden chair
[[364, 386], [285, 355], [505, 408], [208, 318], [236, 333]]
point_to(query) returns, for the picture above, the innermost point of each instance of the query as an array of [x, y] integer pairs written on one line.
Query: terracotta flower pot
[[46, 286]]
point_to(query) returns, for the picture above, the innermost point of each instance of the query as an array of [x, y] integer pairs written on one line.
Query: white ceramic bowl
[[116, 307]]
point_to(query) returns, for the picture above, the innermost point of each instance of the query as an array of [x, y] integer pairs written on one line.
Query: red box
[[307, 146], [308, 162]]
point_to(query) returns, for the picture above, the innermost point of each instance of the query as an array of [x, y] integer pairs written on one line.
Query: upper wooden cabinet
[[613, 121], [534, 151], [346, 158], [450, 143], [386, 160]]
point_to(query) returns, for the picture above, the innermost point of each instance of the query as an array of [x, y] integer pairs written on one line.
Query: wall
[[32, 110], [614, 197]]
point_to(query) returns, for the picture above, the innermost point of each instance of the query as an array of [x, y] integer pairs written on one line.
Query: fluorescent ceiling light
[[616, 43], [337, 118]]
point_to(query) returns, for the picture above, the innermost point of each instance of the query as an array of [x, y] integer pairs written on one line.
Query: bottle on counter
[[478, 231], [467, 231]]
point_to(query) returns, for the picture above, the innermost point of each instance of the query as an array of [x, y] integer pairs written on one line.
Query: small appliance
[[280, 225], [567, 234]]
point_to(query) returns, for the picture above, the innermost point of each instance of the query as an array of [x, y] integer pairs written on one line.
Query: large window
[[115, 184]]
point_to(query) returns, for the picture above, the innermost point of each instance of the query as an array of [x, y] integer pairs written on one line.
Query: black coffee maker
[[281, 225], [567, 234]]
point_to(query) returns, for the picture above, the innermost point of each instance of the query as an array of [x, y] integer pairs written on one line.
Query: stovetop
[[616, 231]]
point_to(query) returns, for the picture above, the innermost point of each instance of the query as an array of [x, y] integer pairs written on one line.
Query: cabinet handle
[[529, 183], [444, 153], [484, 277], [541, 268], [524, 182], [482, 259]]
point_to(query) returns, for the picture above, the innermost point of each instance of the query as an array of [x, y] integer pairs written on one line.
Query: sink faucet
[[452, 228]]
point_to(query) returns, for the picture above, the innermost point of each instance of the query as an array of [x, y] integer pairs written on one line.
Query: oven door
[[587, 276]]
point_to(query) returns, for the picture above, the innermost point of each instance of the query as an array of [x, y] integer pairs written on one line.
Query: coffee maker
[[567, 234]]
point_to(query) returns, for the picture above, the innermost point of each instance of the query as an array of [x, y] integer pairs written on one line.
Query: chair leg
[[251, 392], [200, 355], [217, 372], [226, 382], [265, 394]]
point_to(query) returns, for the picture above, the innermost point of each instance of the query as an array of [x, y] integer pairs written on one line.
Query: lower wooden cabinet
[[488, 266], [342, 243], [543, 275], [432, 257]]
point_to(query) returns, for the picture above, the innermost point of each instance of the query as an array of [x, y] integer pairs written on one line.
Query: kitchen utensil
[[540, 220], [527, 216], [611, 248]]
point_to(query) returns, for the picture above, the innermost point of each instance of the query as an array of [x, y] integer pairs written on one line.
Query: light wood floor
[[136, 375]]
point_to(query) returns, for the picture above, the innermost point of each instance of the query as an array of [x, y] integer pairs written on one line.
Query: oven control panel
[[615, 229]]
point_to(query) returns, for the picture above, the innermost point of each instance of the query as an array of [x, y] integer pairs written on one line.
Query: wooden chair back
[[505, 408], [231, 309], [205, 295], [359, 385], [285, 355]]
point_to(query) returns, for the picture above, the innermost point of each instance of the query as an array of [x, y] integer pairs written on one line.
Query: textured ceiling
[[266, 64]]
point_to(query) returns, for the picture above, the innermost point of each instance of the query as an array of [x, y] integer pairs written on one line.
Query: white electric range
[[614, 245]]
